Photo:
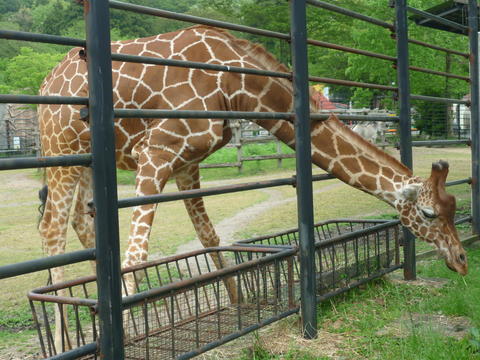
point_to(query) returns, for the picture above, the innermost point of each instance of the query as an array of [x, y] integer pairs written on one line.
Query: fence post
[[304, 167], [104, 178], [401, 28], [279, 152], [239, 146], [474, 113], [457, 116]]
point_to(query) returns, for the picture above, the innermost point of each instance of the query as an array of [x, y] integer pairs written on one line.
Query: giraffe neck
[[357, 162], [350, 158]]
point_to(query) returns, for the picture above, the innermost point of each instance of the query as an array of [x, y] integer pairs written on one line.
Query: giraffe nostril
[[462, 257]]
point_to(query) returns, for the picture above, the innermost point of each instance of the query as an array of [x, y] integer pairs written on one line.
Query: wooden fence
[[239, 141]]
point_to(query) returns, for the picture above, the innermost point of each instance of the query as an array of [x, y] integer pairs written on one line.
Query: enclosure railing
[[102, 159]]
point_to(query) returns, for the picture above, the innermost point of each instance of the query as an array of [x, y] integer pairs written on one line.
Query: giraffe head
[[428, 211]]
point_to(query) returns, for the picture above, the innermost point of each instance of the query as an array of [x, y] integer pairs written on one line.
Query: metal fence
[[101, 115]]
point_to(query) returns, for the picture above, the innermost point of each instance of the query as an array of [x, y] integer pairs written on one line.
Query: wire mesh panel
[[348, 252], [183, 304]]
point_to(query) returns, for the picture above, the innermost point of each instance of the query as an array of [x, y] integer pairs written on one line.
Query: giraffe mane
[[254, 50]]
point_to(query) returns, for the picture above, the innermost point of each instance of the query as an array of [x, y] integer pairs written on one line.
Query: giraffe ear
[[410, 192]]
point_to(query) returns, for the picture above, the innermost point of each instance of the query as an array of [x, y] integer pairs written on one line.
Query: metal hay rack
[[185, 305]]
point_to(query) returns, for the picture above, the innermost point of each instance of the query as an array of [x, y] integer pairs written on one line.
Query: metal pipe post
[[474, 111], [104, 178], [304, 167], [401, 28]]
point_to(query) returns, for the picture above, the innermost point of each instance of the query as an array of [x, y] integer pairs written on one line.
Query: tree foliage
[[65, 17], [22, 75]]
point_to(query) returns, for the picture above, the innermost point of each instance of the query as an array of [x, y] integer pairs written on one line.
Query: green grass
[[358, 315]]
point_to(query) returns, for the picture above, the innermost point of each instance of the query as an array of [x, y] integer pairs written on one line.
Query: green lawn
[[355, 312], [354, 324]]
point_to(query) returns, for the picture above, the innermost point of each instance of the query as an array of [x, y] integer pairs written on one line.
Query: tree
[[25, 72]]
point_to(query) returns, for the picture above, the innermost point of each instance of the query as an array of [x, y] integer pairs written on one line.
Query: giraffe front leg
[[83, 215], [61, 184], [188, 180]]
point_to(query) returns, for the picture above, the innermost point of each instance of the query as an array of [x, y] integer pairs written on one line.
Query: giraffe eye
[[429, 213]]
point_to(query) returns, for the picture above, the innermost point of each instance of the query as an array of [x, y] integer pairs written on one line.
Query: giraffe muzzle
[[459, 264]]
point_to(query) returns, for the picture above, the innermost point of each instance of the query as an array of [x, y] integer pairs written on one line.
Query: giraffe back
[[143, 86]]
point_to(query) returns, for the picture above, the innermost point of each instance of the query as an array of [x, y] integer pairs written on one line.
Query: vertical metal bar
[[304, 167], [290, 283], [457, 116], [401, 28], [257, 292], [37, 327], [172, 309], [147, 330], [240, 300], [474, 111], [197, 318], [277, 286], [104, 178], [219, 307]]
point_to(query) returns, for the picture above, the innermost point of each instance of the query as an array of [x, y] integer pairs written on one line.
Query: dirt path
[[227, 228]]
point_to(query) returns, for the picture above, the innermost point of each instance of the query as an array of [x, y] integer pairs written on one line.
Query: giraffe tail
[[42, 195]]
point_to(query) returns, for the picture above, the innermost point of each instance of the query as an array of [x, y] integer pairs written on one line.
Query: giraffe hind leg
[[188, 180]]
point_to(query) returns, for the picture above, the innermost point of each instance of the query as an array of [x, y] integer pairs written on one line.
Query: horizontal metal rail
[[332, 46], [41, 162], [274, 254], [197, 65], [439, 99], [351, 83], [439, 48], [252, 241], [353, 14], [442, 14], [38, 99], [76, 353], [243, 70], [198, 114], [226, 189], [357, 283], [441, 73], [30, 266], [195, 19], [438, 19], [201, 114], [43, 38], [440, 142], [354, 234], [463, 220], [349, 117], [459, 182]]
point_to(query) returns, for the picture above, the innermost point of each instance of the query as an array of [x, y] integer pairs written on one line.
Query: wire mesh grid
[[348, 252], [183, 304]]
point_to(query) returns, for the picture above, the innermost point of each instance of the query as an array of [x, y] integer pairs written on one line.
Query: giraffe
[[159, 149]]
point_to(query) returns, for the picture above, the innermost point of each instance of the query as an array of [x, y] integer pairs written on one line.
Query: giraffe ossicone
[[159, 149]]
